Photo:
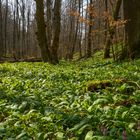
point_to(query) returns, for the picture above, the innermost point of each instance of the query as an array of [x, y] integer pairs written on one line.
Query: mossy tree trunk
[[132, 29]]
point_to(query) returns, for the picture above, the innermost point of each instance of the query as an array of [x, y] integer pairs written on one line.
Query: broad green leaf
[[59, 136], [124, 114], [79, 125], [23, 105], [2, 130], [89, 135], [101, 138], [131, 125], [100, 101], [86, 126], [21, 135], [40, 136]]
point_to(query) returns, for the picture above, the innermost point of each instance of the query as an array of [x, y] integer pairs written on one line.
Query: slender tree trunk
[[1, 32], [80, 29], [85, 30], [28, 45], [106, 21], [18, 46], [56, 31], [89, 53], [71, 31], [23, 30], [14, 36], [5, 31], [74, 41]]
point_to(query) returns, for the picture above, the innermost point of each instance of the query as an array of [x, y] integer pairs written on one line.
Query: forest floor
[[92, 99]]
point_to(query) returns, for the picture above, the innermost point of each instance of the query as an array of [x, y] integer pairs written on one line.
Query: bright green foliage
[[41, 101]]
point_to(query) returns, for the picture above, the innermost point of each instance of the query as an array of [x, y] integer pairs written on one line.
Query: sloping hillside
[[93, 99]]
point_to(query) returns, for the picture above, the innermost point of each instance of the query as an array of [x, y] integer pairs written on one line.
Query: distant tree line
[[50, 30], [17, 30]]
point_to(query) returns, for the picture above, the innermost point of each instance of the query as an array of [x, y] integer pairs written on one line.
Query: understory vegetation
[[87, 100]]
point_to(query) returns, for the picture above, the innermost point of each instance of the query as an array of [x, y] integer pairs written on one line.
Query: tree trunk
[[5, 29], [112, 29], [41, 34], [89, 53], [56, 31], [49, 22], [80, 28], [14, 36], [132, 29], [1, 32]]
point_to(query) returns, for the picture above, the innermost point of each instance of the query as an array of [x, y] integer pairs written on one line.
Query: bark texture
[[132, 29], [56, 31], [41, 34]]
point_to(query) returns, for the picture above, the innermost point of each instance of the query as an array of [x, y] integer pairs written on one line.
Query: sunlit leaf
[[89, 135]]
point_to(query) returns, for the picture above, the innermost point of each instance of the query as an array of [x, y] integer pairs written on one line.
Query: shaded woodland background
[[73, 29]]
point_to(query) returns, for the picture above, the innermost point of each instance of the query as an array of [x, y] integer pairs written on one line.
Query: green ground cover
[[87, 100]]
